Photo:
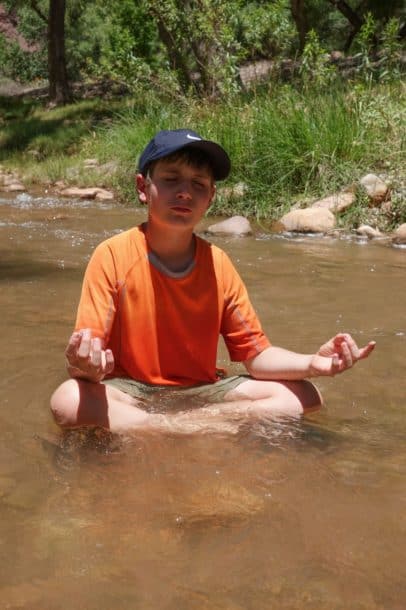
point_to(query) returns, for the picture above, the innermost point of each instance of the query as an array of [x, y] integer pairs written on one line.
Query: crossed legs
[[78, 403]]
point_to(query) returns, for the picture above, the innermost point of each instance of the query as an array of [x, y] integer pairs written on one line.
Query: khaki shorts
[[156, 396]]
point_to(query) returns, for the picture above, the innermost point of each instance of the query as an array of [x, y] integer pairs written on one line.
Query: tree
[[356, 15], [59, 89], [355, 20], [297, 8], [339, 22], [199, 41]]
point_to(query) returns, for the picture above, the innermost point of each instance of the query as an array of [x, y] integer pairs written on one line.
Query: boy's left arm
[[335, 356]]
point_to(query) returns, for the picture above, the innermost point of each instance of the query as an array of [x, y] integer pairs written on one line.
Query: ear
[[141, 186], [213, 194]]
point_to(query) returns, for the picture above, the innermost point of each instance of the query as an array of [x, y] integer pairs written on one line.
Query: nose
[[184, 190]]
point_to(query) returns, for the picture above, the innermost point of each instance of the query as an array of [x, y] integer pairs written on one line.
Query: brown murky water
[[294, 515]]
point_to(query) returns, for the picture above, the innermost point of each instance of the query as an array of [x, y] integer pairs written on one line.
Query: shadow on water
[[28, 124], [28, 269]]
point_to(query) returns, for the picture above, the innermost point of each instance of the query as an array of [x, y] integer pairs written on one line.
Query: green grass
[[285, 145]]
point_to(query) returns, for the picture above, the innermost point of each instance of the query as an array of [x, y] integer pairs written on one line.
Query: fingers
[[350, 353], [335, 365], [96, 352], [357, 353], [109, 361], [349, 344], [86, 354], [339, 354], [85, 346], [365, 351], [73, 344]]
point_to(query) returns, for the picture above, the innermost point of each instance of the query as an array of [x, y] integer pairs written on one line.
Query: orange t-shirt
[[163, 328]]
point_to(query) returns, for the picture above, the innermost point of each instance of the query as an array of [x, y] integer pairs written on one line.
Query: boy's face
[[177, 194]]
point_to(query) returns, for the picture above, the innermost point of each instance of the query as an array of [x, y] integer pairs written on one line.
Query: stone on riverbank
[[399, 236], [368, 231], [14, 187], [308, 220], [376, 189], [87, 193], [236, 225], [10, 182], [336, 202]]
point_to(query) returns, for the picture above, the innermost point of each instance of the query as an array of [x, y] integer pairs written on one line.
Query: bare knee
[[296, 398], [303, 395], [293, 398], [65, 403]]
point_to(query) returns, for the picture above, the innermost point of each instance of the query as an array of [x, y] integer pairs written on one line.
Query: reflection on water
[[283, 514]]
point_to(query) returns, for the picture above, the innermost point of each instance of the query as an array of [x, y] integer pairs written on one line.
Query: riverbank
[[290, 149]]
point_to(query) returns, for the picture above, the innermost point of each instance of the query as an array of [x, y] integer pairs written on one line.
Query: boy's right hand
[[85, 357]]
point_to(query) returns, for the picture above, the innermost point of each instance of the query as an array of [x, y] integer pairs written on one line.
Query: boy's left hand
[[343, 352]]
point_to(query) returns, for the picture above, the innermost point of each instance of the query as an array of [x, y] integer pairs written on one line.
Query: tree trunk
[[346, 10], [175, 57], [299, 17], [59, 91]]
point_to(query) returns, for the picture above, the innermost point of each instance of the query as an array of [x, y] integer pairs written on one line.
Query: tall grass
[[286, 145]]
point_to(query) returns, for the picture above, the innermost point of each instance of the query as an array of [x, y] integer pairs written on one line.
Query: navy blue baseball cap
[[166, 142]]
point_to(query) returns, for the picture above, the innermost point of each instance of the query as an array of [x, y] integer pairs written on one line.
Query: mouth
[[180, 209]]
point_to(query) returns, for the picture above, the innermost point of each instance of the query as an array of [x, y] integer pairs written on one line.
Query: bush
[[19, 65]]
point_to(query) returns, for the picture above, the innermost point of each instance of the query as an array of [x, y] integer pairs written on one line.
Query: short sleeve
[[240, 326], [97, 305]]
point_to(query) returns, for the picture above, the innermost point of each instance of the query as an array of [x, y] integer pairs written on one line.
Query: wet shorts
[[173, 396]]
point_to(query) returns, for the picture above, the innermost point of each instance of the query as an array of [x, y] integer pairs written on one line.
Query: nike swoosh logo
[[192, 137]]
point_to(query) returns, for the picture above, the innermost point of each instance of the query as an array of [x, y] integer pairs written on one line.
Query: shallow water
[[308, 514]]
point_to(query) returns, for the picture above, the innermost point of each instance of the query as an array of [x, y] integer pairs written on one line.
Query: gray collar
[[158, 264]]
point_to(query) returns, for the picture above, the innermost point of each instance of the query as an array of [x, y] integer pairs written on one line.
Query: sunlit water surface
[[284, 515]]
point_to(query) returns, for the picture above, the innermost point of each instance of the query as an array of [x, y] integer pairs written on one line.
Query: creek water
[[283, 515]]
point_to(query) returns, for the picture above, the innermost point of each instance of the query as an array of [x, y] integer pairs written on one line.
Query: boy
[[155, 300]]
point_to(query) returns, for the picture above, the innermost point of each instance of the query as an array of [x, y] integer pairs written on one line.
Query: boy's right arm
[[86, 358]]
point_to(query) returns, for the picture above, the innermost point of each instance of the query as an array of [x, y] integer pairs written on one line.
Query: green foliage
[[200, 43], [365, 42], [263, 29], [382, 11], [397, 215], [391, 51], [23, 65], [30, 24], [179, 47], [315, 69], [357, 214], [333, 27], [379, 50], [19, 65]]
